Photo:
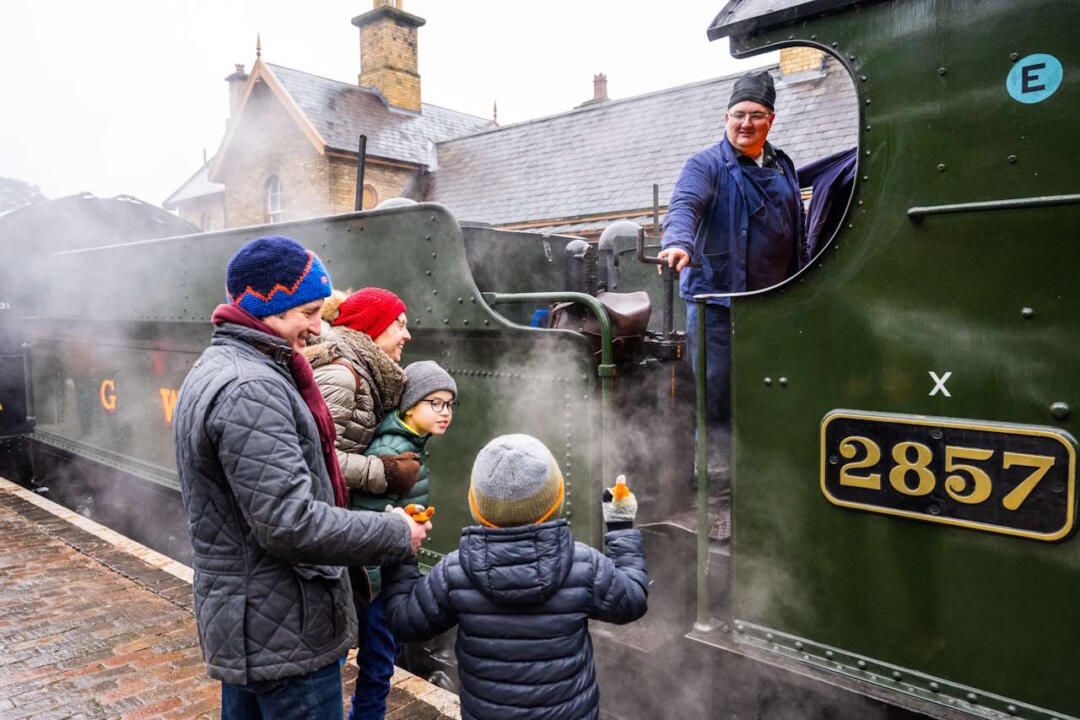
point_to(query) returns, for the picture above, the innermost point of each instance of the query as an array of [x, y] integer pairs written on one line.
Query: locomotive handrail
[[918, 213], [605, 370]]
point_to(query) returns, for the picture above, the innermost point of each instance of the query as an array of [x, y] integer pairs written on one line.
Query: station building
[[290, 149]]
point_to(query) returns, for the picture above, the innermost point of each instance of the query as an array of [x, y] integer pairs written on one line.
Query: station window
[[275, 212], [371, 196]]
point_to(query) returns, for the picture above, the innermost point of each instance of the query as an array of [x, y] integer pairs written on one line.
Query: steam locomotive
[[900, 536]]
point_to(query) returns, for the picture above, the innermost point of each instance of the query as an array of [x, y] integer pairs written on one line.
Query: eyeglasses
[[438, 404], [756, 116]]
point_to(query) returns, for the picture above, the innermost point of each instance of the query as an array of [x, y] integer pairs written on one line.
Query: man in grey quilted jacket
[[264, 496]]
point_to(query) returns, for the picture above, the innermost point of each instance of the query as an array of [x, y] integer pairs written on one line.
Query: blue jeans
[[375, 663], [315, 696], [717, 377]]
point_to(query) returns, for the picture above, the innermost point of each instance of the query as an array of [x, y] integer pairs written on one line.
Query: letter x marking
[[939, 383]]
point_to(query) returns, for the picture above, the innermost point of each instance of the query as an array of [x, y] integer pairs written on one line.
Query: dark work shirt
[[770, 246]]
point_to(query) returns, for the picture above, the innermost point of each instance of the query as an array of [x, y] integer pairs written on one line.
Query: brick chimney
[[236, 81], [388, 53], [599, 91], [599, 87], [798, 59]]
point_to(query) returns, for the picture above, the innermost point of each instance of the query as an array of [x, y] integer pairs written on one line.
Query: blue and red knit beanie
[[271, 274]]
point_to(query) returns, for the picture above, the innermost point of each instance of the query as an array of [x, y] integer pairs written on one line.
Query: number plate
[[1010, 479]]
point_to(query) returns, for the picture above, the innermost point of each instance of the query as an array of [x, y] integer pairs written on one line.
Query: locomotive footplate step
[[95, 625]]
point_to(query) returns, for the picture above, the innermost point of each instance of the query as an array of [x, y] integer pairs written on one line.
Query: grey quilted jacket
[[272, 598]]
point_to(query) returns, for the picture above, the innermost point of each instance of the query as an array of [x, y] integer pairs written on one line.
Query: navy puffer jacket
[[522, 598]]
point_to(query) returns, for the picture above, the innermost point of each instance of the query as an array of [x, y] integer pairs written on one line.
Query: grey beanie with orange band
[[515, 481]]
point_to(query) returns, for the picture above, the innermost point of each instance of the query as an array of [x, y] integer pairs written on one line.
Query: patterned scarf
[[300, 369]]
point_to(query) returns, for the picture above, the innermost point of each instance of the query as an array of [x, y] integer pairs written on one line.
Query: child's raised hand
[[619, 505]]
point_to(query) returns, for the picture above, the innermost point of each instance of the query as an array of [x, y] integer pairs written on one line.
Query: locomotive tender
[[903, 466]]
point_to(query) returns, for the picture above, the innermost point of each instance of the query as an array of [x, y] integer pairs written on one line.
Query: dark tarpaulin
[[832, 178]]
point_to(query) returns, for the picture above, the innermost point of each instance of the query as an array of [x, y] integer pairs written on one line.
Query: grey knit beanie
[[424, 378], [515, 481]]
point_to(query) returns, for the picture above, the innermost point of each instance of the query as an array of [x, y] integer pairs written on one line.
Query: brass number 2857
[[911, 473]]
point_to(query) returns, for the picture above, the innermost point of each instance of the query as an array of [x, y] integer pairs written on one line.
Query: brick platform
[[94, 625]]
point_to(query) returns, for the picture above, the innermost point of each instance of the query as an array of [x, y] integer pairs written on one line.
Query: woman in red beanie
[[357, 371]]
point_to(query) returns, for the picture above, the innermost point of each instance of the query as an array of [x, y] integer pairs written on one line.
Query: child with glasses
[[426, 409]]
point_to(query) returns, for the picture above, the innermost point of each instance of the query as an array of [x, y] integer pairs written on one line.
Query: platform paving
[[94, 625]]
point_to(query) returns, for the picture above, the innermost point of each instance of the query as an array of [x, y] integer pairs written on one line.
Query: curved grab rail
[[605, 370]]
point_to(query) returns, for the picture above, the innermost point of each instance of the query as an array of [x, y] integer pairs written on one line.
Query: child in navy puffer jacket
[[522, 591]]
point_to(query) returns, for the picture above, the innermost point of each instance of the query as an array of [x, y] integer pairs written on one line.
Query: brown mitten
[[402, 471]]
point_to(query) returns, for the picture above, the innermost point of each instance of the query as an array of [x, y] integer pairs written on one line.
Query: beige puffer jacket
[[359, 395]]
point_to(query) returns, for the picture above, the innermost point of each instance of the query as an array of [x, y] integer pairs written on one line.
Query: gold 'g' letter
[[108, 395]]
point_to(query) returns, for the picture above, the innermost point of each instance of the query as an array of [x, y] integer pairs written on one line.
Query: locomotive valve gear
[[619, 505], [402, 472]]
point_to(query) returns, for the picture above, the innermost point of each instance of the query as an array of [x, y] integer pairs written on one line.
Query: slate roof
[[198, 185], [606, 157], [341, 112]]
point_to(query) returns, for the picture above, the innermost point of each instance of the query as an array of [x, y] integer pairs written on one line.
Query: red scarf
[[302, 375]]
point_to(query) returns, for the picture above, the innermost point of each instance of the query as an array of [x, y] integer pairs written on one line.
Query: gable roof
[[605, 157], [340, 112], [198, 185], [333, 114]]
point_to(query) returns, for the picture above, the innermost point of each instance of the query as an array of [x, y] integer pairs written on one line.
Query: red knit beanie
[[370, 310]]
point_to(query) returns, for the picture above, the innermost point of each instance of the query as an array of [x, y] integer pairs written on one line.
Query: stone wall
[[267, 143]]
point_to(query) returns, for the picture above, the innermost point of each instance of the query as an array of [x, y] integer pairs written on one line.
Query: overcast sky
[[121, 96]]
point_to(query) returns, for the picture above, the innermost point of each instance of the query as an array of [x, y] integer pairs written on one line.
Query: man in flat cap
[[736, 214]]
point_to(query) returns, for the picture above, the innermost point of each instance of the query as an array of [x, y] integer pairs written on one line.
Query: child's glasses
[[438, 404]]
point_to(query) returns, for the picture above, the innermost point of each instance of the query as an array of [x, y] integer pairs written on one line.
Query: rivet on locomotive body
[[465, 321], [865, 178], [434, 255], [432, 218], [768, 381], [862, 78], [861, 663], [829, 653], [935, 433], [941, 71], [428, 273], [429, 308], [860, 202], [833, 43], [868, 130], [783, 382], [435, 291], [812, 37], [1060, 410], [867, 101], [798, 645], [461, 301], [941, 167], [739, 627], [833, 460], [427, 237], [972, 697], [487, 322], [851, 56], [1011, 709], [446, 321], [1014, 56], [934, 686], [1027, 313], [896, 675], [867, 153]]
